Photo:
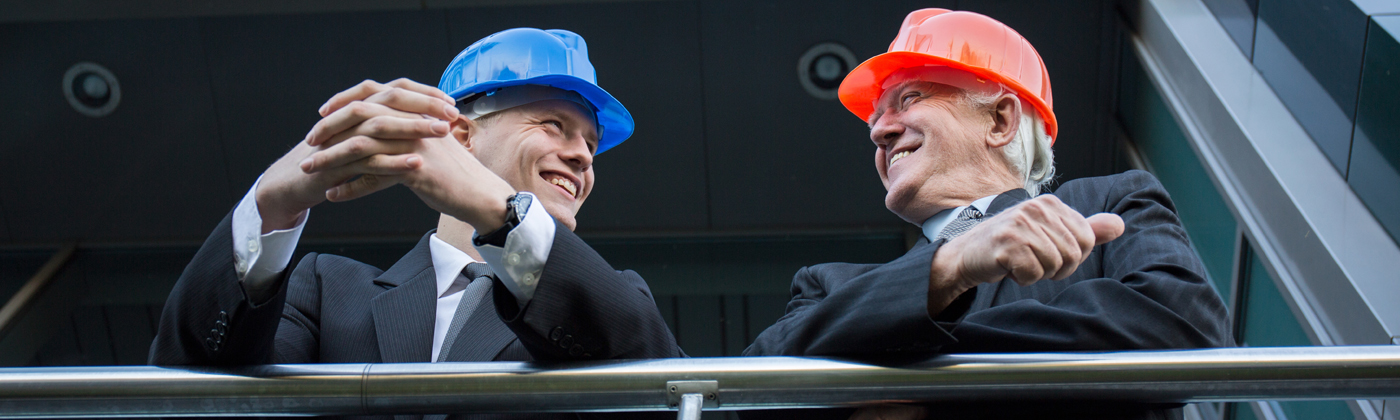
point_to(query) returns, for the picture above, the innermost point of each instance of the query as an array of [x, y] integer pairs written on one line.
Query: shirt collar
[[448, 262], [940, 220]]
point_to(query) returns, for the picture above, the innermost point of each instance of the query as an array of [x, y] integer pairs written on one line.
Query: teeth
[[899, 156], [573, 190]]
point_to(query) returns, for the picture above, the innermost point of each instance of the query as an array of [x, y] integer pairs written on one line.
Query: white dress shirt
[[940, 220], [260, 258]]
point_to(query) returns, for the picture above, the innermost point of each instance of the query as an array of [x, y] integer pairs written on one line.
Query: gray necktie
[[964, 222], [479, 275]]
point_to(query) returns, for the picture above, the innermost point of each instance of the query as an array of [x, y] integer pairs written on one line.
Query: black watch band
[[516, 207]]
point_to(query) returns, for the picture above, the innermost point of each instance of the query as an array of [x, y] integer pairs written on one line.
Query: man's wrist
[[517, 206], [944, 285]]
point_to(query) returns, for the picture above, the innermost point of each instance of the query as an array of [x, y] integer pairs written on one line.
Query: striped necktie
[[964, 222], [476, 279]]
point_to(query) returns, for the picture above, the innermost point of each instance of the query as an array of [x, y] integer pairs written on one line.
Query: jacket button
[[567, 341], [223, 316], [213, 345], [556, 334], [575, 350]]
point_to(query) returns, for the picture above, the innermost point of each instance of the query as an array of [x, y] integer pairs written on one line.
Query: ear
[[463, 129], [1006, 120]]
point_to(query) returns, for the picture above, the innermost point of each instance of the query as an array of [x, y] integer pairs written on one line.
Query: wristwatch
[[516, 207]]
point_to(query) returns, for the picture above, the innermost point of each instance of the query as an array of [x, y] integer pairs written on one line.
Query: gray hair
[[1029, 152]]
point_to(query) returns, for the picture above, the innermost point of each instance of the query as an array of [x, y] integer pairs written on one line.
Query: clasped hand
[[373, 136], [1038, 239]]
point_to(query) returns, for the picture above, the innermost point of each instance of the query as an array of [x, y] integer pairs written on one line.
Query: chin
[[564, 215]]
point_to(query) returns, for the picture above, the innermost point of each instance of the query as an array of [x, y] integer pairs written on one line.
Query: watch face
[[522, 204]]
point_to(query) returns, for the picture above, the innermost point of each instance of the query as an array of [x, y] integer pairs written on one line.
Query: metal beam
[[1234, 374], [22, 300]]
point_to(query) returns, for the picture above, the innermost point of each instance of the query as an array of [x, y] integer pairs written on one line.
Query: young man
[[960, 115], [504, 150]]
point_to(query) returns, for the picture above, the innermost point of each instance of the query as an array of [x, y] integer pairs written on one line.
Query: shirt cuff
[[260, 258], [520, 263]]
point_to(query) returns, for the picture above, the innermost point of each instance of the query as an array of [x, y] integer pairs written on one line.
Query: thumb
[[1107, 227]]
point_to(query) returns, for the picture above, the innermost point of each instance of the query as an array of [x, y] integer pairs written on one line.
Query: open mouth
[[900, 155], [565, 184]]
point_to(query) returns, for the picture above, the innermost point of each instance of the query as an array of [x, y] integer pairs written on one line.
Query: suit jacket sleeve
[[857, 311], [209, 320], [585, 309], [1144, 290]]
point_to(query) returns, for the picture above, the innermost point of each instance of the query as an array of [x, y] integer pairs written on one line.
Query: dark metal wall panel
[[698, 325], [130, 329], [1309, 51], [648, 56], [779, 157], [153, 169], [270, 74], [4, 227], [1238, 18], [1375, 153], [763, 311], [733, 308]]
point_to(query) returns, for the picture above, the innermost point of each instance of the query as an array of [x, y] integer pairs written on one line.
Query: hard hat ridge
[[964, 41], [530, 56]]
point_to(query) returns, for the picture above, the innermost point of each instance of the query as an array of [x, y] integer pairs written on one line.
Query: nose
[[885, 129], [576, 154]]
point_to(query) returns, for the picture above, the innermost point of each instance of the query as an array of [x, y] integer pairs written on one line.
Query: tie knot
[[969, 217], [476, 270], [970, 213]]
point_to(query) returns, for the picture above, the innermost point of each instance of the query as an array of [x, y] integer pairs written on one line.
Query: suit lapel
[[1008, 199], [404, 315], [483, 336]]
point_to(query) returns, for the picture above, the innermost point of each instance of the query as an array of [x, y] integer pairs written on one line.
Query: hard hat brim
[[616, 122], [864, 84]]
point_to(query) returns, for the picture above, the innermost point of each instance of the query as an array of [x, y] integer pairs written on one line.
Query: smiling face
[[545, 148], [935, 152]]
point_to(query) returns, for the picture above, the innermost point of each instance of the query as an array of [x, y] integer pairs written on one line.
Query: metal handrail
[[1234, 374]]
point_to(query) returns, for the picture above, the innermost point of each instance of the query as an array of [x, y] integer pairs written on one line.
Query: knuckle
[[394, 94], [373, 125], [358, 109], [356, 145]]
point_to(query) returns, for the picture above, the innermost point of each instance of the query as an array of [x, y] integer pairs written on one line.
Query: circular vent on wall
[[91, 89], [822, 67]]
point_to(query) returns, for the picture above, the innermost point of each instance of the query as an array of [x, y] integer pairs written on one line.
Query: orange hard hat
[[959, 40]]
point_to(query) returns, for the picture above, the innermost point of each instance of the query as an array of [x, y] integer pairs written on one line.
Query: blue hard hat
[[529, 56]]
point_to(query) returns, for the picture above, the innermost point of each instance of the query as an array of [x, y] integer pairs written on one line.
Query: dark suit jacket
[[333, 309], [1145, 290]]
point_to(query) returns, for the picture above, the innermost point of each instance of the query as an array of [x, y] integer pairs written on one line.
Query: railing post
[[690, 406]]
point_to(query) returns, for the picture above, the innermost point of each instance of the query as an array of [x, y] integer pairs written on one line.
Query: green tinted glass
[[1203, 212]]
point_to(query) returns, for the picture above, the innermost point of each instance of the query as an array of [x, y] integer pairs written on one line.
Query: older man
[[960, 115], [505, 151]]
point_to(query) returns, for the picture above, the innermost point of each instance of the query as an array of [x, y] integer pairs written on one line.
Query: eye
[[908, 98], [557, 125]]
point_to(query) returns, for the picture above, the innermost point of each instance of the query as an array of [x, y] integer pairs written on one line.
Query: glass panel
[[1310, 53], [1268, 322], [1207, 219], [1237, 16], [1242, 411], [1375, 155]]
